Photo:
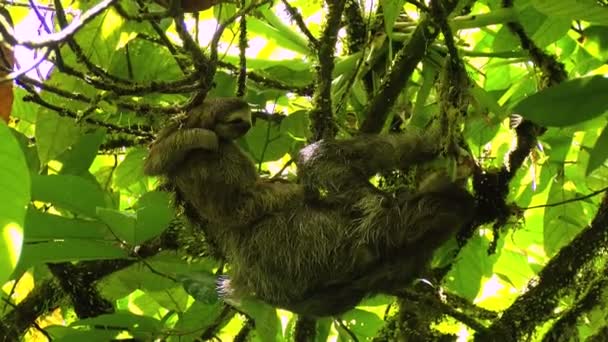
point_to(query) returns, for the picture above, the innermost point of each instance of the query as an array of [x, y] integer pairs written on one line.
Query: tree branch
[[321, 117], [538, 304], [401, 71], [59, 37]]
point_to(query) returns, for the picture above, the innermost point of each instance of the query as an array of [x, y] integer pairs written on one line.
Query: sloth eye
[[235, 121]]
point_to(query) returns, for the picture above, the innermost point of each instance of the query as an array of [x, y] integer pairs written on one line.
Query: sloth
[[287, 245]]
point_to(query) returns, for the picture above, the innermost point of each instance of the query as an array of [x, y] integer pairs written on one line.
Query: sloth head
[[229, 118]]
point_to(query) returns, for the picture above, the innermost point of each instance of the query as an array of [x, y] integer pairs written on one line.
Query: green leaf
[[66, 334], [146, 62], [390, 10], [69, 250], [297, 124], [267, 323], [54, 134], [279, 36], [202, 286], [295, 64], [45, 226], [267, 142], [550, 31], [473, 264], [588, 10], [79, 157], [568, 103], [429, 75], [599, 153], [284, 30], [142, 327], [154, 212], [199, 317], [138, 276], [596, 41], [100, 38], [131, 170], [68, 192], [29, 151], [562, 223], [121, 223], [513, 267], [14, 196], [363, 323]]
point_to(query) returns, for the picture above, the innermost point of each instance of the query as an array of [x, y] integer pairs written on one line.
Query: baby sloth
[[287, 246]]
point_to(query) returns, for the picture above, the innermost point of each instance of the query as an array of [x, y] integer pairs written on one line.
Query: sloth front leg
[[171, 150]]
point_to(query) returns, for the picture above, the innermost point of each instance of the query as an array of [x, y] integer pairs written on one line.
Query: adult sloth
[[313, 257]]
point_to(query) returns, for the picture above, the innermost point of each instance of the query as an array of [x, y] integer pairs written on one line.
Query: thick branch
[[538, 304], [321, 117], [49, 294], [566, 326], [356, 28], [403, 67]]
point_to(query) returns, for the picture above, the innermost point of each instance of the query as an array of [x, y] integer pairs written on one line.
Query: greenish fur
[[314, 256]]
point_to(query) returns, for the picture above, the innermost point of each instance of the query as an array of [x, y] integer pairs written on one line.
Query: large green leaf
[[588, 10], [101, 37], [285, 31], [152, 216], [78, 158], [138, 276], [599, 153], [596, 41], [29, 152], [14, 196], [473, 264], [562, 223], [131, 170], [67, 334], [45, 226], [146, 62], [362, 323], [267, 323], [267, 141], [121, 223], [69, 250], [276, 35], [567, 103], [541, 28], [141, 327], [202, 286], [390, 10], [199, 317], [54, 134], [154, 212], [69, 192]]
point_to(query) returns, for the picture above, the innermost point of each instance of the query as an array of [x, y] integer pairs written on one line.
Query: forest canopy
[[92, 248]]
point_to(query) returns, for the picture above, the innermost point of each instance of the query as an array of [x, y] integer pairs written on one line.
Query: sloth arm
[[370, 154], [338, 165], [171, 149], [268, 197]]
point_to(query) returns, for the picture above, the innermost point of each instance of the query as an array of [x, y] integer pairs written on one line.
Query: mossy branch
[[321, 117], [538, 304]]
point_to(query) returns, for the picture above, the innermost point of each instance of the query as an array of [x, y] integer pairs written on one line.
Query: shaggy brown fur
[[315, 257]]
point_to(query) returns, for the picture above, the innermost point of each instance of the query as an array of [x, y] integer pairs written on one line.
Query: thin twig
[[297, 17], [575, 199], [61, 36]]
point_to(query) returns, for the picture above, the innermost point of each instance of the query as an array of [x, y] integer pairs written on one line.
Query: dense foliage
[[93, 249]]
